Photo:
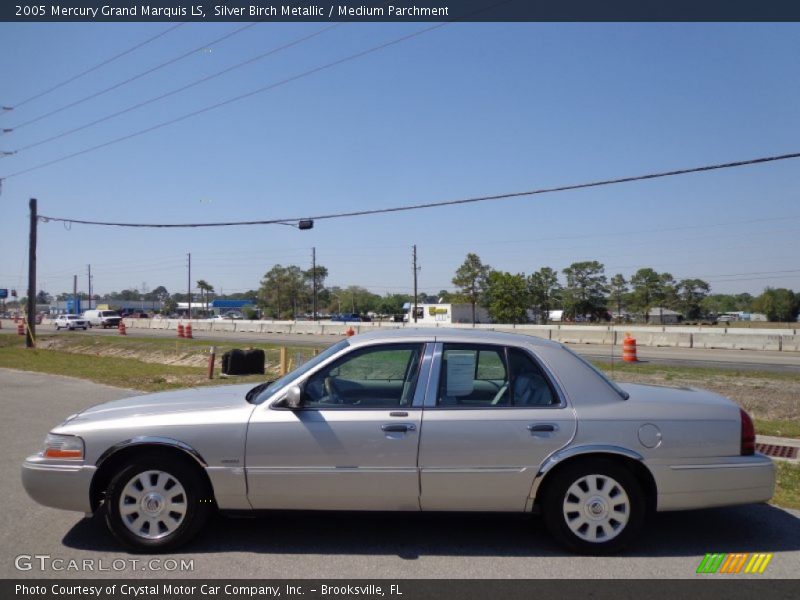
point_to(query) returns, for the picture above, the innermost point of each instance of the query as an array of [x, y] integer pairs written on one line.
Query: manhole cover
[[777, 451]]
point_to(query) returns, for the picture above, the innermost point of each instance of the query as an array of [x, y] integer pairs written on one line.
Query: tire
[[595, 506], [58, 328], [157, 479], [85, 328]]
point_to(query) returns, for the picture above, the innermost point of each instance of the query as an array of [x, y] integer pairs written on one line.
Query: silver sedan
[[408, 420]]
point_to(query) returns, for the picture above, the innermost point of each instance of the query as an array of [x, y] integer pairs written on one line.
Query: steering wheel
[[332, 392]]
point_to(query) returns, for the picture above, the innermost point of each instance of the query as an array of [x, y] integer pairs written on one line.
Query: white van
[[102, 318]]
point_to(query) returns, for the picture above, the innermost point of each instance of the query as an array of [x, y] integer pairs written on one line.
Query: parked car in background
[[426, 419], [102, 318], [71, 322], [346, 317]]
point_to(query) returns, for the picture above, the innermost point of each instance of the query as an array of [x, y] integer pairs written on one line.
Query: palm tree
[[205, 289]]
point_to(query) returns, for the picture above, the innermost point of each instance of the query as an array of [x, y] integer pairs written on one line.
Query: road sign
[[3, 293]]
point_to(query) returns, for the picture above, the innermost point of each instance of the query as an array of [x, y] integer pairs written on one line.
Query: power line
[[409, 207], [260, 90], [96, 67], [119, 85]]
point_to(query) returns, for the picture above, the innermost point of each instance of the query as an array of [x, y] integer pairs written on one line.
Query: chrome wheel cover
[[153, 504], [596, 508]]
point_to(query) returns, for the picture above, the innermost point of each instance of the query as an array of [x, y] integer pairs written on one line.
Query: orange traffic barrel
[[350, 331], [180, 330], [122, 329], [189, 331], [20, 328], [629, 349]]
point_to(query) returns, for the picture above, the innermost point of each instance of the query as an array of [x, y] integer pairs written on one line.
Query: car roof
[[448, 334]]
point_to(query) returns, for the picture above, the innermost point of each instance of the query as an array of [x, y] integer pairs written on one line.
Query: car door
[[353, 445], [492, 416]]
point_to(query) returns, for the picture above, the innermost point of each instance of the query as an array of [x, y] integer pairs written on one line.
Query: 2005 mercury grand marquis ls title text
[[408, 420]]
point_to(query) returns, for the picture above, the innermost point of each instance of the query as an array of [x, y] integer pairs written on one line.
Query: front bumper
[[58, 484], [714, 482]]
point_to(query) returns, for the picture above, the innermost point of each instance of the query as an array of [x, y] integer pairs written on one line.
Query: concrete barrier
[[737, 342], [656, 339], [787, 340], [790, 343], [248, 326], [307, 327], [585, 336]]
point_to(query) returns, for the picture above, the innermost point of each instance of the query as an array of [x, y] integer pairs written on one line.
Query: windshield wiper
[[254, 392]]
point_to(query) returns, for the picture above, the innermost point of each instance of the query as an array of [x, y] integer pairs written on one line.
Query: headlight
[[63, 446]]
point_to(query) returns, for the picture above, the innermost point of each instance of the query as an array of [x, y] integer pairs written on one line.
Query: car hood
[[189, 400]]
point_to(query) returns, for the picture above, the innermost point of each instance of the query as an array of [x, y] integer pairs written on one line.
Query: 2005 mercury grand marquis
[[431, 420]]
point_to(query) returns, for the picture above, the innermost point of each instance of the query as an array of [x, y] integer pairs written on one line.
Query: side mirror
[[294, 398]]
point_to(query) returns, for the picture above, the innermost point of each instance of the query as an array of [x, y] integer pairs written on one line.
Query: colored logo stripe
[[733, 563]]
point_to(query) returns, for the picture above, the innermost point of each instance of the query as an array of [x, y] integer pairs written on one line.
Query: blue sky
[[465, 110]]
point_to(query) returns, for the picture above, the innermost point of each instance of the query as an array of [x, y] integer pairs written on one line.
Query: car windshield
[[281, 383]]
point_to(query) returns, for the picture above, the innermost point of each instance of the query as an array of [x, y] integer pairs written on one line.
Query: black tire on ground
[[561, 517], [198, 500]]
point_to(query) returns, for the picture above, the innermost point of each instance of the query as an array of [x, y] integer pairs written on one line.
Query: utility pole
[[189, 286], [30, 336], [75, 295], [414, 255], [314, 281], [89, 277]]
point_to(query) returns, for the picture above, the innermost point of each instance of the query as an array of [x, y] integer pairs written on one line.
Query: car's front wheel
[[595, 506], [157, 503]]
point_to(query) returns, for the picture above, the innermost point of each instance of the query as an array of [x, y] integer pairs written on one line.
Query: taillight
[[748, 434]]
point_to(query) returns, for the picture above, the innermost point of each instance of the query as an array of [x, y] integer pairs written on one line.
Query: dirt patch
[[148, 355], [763, 398]]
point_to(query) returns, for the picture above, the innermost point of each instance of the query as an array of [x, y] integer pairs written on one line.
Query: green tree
[[205, 289], [691, 294], [471, 279], [779, 304], [170, 306], [666, 294], [159, 294], [618, 290], [585, 291], [316, 275], [507, 297], [646, 286], [392, 304], [43, 297], [282, 290], [544, 291]]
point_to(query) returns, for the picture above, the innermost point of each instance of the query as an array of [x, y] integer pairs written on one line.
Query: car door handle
[[398, 427], [541, 427]]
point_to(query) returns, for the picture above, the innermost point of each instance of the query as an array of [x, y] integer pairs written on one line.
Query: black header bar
[[402, 10]]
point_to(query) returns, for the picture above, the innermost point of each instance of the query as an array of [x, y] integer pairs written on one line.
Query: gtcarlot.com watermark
[[46, 562]]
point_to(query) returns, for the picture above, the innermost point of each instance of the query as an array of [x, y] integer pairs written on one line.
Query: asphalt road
[[352, 545], [750, 360]]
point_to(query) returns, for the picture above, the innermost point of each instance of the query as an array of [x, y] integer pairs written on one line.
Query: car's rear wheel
[[157, 503], [595, 506]]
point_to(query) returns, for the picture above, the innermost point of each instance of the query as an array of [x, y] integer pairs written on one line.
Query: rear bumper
[[64, 486], [705, 483]]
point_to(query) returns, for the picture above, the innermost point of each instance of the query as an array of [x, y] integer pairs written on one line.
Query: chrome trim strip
[[330, 470], [151, 440], [475, 469], [432, 390], [425, 374], [719, 466], [570, 452]]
